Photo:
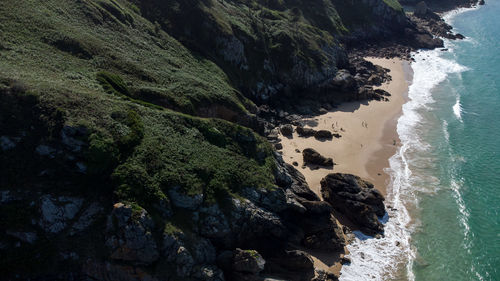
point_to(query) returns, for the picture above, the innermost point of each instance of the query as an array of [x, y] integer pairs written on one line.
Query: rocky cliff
[[128, 140]]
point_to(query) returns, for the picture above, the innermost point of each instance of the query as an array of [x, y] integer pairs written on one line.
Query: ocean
[[444, 197]]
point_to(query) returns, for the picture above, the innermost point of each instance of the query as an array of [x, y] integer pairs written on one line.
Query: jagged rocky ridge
[[107, 173]]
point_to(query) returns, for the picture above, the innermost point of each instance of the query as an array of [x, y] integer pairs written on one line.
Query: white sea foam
[[464, 218], [450, 16], [457, 110], [380, 259]]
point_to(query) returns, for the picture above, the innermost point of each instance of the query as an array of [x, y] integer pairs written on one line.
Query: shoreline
[[362, 151], [368, 130]]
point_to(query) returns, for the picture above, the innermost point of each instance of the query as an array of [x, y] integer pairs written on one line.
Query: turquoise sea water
[[444, 199], [458, 237]]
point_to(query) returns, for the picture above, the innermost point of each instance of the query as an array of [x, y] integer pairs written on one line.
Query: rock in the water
[[313, 157], [286, 130], [323, 134], [355, 198], [428, 42]]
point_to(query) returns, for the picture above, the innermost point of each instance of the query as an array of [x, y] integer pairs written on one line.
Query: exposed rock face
[[355, 198], [181, 200], [87, 218], [197, 261], [313, 157], [56, 212], [343, 81], [129, 235]]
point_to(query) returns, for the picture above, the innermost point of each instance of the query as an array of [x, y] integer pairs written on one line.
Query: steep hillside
[[279, 47], [126, 140]]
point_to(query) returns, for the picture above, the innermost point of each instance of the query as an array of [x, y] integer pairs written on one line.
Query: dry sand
[[368, 130]]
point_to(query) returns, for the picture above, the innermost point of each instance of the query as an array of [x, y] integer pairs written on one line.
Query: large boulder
[[343, 80], [248, 261], [313, 157], [428, 42], [129, 235], [356, 199], [322, 232], [305, 132], [286, 130], [323, 134]]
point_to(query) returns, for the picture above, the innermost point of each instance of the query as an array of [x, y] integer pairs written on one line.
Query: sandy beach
[[368, 130], [368, 139]]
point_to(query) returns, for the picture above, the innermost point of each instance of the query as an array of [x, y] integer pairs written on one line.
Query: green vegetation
[[394, 4], [147, 81], [100, 65]]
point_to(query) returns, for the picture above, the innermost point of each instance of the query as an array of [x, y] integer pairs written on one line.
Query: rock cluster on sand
[[312, 157], [309, 132], [286, 130], [356, 199], [305, 132], [323, 134]]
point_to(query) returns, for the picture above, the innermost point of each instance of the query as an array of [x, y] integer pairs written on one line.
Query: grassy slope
[[56, 51], [106, 35]]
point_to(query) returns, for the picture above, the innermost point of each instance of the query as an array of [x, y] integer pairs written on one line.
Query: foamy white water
[[457, 110], [382, 259]]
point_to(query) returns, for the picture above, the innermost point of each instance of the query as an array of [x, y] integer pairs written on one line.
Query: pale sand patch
[[368, 130]]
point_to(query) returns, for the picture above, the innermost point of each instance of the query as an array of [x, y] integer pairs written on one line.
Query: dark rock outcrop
[[247, 261], [129, 235], [292, 265], [356, 199], [305, 132], [323, 134], [286, 130], [313, 157], [426, 41], [343, 81]]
